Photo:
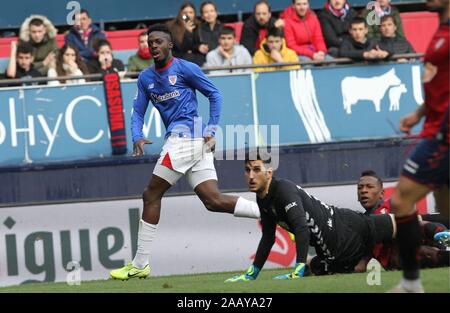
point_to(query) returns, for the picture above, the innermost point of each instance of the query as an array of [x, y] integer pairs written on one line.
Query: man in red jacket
[[303, 32]]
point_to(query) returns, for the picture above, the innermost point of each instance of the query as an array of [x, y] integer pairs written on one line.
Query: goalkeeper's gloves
[[251, 274], [298, 272]]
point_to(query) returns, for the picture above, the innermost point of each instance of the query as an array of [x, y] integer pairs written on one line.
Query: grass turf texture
[[434, 280]]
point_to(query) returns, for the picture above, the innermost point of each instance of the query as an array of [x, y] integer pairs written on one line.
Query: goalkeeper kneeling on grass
[[341, 237]]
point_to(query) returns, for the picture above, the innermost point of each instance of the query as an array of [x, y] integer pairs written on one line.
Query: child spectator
[[68, 63], [104, 63], [228, 53], [273, 50], [21, 63], [359, 47]]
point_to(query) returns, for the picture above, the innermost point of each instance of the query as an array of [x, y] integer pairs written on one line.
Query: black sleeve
[[410, 49], [249, 37], [267, 240], [346, 51], [291, 201], [388, 48], [118, 64], [197, 39], [329, 34], [188, 42]]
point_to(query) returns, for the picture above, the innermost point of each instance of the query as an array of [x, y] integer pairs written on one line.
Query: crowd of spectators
[[298, 34]]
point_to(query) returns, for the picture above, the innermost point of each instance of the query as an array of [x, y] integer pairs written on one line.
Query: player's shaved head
[[258, 171], [373, 174], [370, 189]]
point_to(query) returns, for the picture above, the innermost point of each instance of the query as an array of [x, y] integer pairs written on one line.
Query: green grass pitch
[[434, 280]]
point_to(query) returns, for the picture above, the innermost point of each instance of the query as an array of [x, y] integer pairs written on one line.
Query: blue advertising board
[[41, 124]]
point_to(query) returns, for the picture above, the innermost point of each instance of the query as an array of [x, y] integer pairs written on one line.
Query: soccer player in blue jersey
[[170, 84]]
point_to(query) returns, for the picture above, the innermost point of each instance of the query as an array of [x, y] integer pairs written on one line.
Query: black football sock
[[409, 238]]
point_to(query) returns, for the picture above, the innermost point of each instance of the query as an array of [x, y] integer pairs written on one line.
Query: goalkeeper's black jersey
[[337, 234]]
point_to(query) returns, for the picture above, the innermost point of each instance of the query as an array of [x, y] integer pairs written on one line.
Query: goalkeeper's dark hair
[[372, 173], [257, 155], [160, 28]]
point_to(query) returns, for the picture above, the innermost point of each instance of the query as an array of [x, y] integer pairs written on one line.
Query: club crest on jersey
[[173, 79], [151, 86]]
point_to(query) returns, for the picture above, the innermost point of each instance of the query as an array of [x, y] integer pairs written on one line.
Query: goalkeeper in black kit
[[341, 237]]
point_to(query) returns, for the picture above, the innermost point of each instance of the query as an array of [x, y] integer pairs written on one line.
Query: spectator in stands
[[41, 34], [335, 20], [256, 26], [273, 50], [389, 39], [143, 58], [104, 63], [210, 28], [68, 63], [21, 63], [374, 14], [228, 53], [83, 35], [304, 34], [359, 47], [185, 31]]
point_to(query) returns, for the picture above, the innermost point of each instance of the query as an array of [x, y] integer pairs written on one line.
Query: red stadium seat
[[419, 28]]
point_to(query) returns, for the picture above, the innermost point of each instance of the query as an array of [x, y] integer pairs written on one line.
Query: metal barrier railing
[[90, 77]]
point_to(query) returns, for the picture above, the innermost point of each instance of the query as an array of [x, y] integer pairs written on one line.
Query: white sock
[[415, 284], [246, 208], [146, 234]]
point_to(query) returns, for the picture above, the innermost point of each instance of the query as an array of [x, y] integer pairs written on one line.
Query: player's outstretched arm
[[138, 147], [408, 121], [251, 274]]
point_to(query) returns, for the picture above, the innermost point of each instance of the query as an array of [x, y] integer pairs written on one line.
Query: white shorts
[[185, 156]]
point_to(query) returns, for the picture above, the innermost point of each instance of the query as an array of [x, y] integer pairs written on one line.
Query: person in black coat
[[210, 28], [185, 31], [389, 39], [105, 62], [359, 47], [335, 21]]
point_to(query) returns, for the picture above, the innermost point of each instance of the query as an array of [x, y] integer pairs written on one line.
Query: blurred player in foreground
[[170, 84], [427, 168]]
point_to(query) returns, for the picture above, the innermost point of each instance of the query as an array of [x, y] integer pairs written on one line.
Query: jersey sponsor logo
[[173, 79], [151, 86], [160, 98], [290, 205]]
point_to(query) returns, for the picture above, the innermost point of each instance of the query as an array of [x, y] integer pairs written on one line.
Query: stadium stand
[[123, 42]]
